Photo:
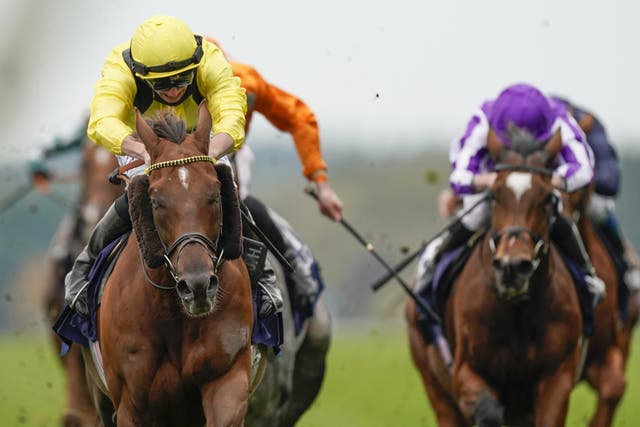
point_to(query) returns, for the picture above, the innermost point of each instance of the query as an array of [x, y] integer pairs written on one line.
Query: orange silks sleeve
[[288, 114]]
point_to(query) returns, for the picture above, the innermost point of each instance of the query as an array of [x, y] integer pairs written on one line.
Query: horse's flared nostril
[[523, 267], [184, 290], [213, 286], [497, 263]]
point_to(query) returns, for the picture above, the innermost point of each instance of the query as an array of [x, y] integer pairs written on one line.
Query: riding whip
[[369, 247], [402, 264]]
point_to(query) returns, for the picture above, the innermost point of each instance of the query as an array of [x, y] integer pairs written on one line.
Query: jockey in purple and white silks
[[602, 203], [519, 108]]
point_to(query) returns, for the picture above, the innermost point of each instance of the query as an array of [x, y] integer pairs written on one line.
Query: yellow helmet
[[164, 46]]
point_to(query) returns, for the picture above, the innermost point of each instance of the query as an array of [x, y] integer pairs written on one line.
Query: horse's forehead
[[519, 183]]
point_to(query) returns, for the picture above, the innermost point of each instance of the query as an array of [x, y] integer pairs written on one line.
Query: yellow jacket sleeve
[[225, 96], [287, 113], [111, 112]]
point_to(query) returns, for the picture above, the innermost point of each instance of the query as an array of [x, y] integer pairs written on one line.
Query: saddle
[[449, 267], [72, 327]]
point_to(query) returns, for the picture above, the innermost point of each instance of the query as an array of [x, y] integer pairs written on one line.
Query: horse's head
[[187, 196], [524, 203], [97, 193]]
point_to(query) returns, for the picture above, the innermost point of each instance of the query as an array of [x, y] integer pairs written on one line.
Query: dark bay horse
[[179, 356], [609, 347], [513, 318], [96, 195]]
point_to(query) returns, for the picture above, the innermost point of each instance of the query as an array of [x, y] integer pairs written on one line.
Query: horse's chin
[[514, 290], [201, 308]]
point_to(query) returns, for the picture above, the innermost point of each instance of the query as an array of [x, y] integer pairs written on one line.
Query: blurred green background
[[389, 197]]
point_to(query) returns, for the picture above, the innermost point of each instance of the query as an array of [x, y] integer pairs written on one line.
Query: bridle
[[216, 256], [540, 246]]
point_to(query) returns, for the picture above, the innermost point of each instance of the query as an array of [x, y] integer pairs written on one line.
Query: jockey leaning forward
[[518, 108], [602, 203], [164, 65], [288, 114]]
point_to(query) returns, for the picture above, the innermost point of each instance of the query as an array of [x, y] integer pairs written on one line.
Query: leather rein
[[217, 257], [540, 246]]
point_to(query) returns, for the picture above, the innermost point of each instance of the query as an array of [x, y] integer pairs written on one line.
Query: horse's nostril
[[497, 263], [184, 291], [523, 267], [213, 286]]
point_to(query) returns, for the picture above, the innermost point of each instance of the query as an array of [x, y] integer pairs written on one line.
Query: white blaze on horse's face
[[183, 173], [519, 183]]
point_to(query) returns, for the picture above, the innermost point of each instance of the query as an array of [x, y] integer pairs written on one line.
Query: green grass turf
[[370, 382]]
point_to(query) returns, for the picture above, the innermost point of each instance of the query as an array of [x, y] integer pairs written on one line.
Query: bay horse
[[609, 347], [513, 318], [96, 194], [179, 356]]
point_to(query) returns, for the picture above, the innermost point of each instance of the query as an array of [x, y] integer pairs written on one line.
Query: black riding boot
[[630, 274], [455, 236], [113, 224], [270, 296], [566, 235]]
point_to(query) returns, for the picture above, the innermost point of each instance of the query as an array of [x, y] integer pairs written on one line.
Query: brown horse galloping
[[96, 195], [179, 357], [609, 346], [513, 318]]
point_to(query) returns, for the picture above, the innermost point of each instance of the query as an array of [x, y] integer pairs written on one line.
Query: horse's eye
[[213, 197], [154, 203]]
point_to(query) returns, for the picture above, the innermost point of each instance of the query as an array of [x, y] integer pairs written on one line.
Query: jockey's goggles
[[177, 80]]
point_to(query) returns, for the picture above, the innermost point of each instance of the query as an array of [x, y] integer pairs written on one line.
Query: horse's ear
[[494, 145], [553, 147], [145, 132], [231, 218], [141, 214], [202, 133]]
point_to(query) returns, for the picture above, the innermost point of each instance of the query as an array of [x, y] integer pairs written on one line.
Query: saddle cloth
[[451, 264], [73, 327]]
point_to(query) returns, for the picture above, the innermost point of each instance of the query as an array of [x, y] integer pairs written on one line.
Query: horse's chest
[[214, 354], [519, 356]]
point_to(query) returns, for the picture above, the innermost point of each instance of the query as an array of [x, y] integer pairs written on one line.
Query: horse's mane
[[169, 126], [522, 141]]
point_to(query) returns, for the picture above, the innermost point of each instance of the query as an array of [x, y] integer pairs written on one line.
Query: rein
[[514, 231], [181, 242]]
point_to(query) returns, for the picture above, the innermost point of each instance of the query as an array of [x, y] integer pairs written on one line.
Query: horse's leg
[[633, 313], [476, 400], [609, 381], [433, 374], [225, 400], [80, 409], [128, 414], [309, 364], [552, 395], [100, 403]]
